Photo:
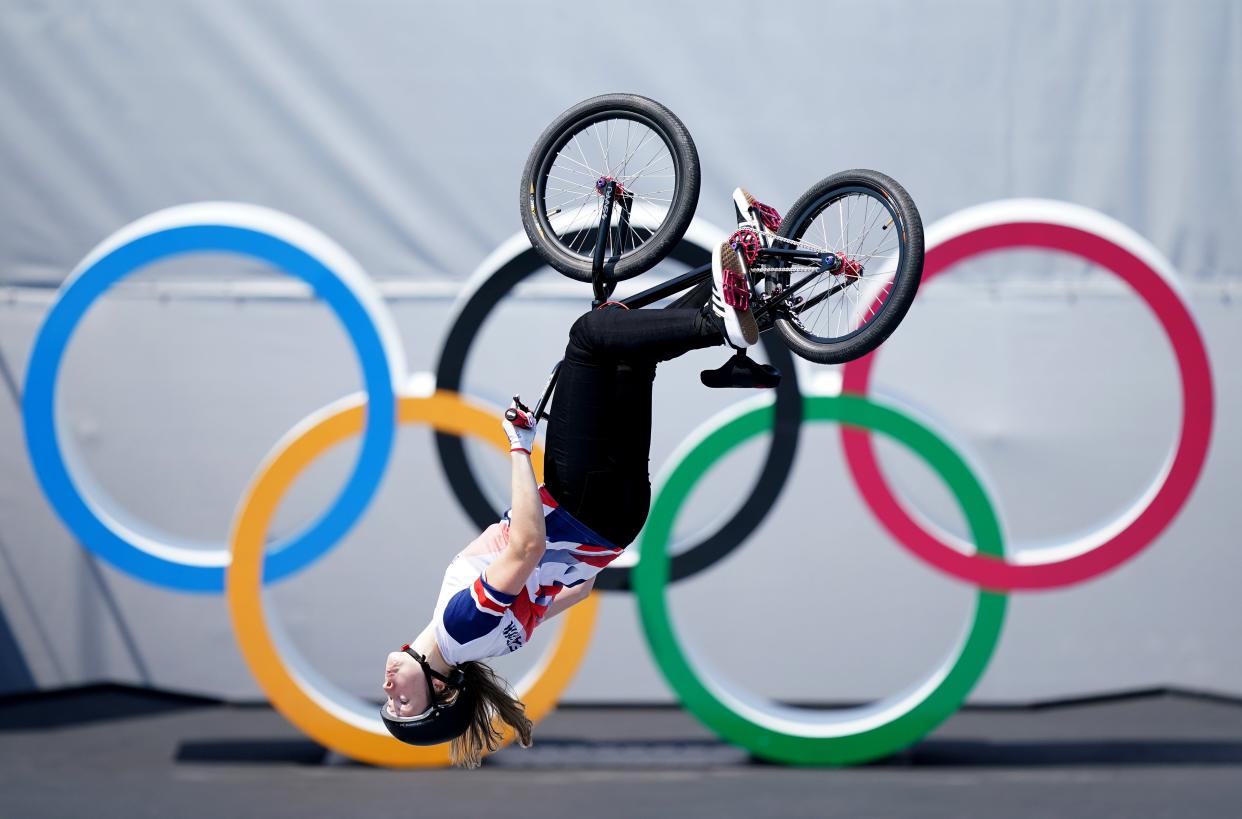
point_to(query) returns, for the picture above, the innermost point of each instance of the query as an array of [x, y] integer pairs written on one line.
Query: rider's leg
[[599, 426], [641, 335], [578, 454], [603, 480]]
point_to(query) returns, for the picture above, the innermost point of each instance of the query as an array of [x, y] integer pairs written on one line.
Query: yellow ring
[[329, 723]]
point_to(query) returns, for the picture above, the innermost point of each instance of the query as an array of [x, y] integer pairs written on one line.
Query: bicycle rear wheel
[[639, 146], [871, 225]]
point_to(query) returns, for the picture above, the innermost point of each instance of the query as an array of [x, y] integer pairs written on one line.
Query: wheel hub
[[849, 267], [618, 190]]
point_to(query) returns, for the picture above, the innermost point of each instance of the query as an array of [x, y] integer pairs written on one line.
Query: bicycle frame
[[776, 298]]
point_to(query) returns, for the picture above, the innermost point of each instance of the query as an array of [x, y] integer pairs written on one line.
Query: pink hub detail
[[849, 267], [618, 190]]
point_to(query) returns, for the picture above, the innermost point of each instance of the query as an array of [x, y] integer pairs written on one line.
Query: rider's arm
[[527, 537], [569, 597]]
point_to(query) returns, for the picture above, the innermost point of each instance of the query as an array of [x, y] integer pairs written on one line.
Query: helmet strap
[[455, 680]]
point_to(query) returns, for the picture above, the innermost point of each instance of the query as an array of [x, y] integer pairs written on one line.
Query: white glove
[[521, 430]]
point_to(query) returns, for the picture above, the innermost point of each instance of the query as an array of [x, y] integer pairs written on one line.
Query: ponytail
[[495, 701]]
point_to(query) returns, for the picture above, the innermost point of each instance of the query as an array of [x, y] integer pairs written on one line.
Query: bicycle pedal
[[736, 290]]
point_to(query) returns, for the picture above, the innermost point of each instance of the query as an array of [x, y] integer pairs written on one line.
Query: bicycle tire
[[908, 272], [685, 166]]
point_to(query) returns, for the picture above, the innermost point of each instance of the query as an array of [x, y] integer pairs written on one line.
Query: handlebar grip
[[511, 415]]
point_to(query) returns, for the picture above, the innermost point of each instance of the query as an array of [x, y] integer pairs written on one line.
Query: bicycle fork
[[612, 192]]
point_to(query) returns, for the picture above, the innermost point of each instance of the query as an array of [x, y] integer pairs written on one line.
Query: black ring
[[769, 484]]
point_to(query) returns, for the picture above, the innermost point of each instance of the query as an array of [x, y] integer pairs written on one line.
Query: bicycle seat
[[741, 371]]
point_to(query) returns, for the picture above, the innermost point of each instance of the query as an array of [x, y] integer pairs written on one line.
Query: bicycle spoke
[[835, 305], [583, 191], [582, 234], [602, 150], [608, 144], [572, 184], [582, 154], [626, 160], [569, 182], [580, 201], [574, 220], [642, 167], [626, 150], [645, 167], [588, 172], [866, 232], [639, 240], [560, 208], [630, 181]]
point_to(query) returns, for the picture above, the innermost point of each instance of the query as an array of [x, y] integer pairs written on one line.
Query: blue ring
[[39, 413]]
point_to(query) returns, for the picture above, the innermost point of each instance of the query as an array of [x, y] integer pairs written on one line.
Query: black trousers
[[599, 428]]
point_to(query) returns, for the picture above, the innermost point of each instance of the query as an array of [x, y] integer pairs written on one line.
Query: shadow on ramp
[[557, 753], [935, 753]]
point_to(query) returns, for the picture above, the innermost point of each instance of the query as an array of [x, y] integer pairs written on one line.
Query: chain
[[803, 268], [798, 242]]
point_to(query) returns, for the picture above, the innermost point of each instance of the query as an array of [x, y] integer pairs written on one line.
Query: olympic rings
[[273, 237], [349, 726], [1092, 236], [495, 278], [337, 720], [795, 736]]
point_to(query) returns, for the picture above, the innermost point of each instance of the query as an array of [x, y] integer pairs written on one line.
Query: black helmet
[[441, 721]]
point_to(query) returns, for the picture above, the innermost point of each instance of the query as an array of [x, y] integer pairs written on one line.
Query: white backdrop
[[400, 130]]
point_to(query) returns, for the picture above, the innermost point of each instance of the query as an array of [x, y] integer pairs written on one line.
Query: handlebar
[[512, 414]]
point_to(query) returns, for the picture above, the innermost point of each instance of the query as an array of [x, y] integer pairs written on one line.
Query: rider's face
[[404, 685]]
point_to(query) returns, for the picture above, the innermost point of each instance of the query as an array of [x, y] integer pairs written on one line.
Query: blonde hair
[[496, 700]]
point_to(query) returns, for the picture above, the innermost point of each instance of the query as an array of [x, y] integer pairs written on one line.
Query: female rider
[[542, 557]]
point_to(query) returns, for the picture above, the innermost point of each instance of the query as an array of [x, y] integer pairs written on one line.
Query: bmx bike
[[612, 184]]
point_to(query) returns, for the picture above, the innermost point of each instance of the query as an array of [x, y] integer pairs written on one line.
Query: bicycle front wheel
[[870, 224], [639, 147]]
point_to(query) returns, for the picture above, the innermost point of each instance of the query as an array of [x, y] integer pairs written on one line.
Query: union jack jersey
[[475, 621]]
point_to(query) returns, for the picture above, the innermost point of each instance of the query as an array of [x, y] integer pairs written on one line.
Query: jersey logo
[[513, 637]]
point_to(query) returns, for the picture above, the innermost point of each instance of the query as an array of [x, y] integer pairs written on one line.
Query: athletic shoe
[[731, 296], [753, 214]]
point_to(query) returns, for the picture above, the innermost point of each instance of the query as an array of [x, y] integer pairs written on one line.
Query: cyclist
[[543, 556]]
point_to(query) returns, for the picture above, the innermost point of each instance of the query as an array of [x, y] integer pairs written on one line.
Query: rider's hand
[[521, 430]]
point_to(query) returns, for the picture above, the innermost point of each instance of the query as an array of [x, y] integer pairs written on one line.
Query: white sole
[[741, 204]]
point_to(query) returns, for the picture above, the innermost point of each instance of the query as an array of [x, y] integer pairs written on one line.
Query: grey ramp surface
[[1149, 757]]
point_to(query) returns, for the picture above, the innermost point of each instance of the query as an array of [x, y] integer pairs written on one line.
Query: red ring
[[1183, 472]]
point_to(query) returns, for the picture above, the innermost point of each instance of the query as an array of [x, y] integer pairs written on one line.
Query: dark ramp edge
[[252, 751], [1155, 751], [90, 704]]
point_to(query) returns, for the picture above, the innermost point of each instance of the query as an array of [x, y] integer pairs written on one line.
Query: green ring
[[876, 731]]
